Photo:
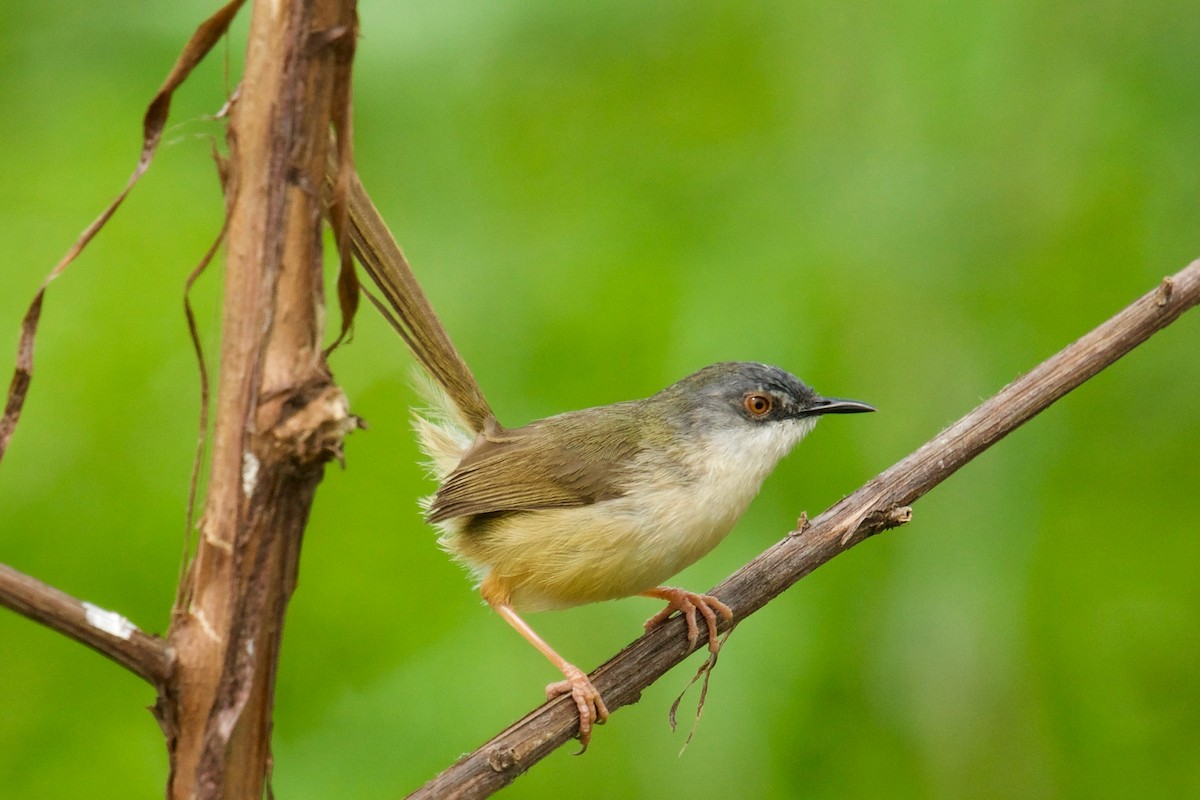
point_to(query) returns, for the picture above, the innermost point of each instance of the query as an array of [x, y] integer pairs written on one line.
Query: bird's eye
[[758, 404]]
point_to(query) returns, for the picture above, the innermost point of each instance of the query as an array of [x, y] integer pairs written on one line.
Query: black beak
[[834, 405]]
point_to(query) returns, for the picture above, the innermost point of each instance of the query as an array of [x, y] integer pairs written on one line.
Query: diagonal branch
[[106, 632], [880, 504]]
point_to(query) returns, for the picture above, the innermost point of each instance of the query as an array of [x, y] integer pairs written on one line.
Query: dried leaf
[[343, 39], [209, 32], [181, 600]]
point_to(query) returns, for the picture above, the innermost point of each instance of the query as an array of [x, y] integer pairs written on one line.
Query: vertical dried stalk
[[279, 416]]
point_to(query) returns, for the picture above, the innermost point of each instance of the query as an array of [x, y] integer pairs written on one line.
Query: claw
[[689, 604], [587, 700]]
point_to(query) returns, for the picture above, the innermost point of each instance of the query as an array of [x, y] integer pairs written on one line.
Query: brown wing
[[553, 463]]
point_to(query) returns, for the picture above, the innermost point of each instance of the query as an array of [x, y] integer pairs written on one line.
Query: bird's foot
[[689, 604], [587, 699]]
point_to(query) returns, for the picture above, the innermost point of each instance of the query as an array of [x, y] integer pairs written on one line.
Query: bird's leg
[[577, 684], [688, 604]]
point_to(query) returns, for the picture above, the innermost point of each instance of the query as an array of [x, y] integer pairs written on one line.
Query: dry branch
[[879, 504], [279, 416], [106, 632]]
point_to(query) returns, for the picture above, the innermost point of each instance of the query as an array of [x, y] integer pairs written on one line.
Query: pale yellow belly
[[557, 558]]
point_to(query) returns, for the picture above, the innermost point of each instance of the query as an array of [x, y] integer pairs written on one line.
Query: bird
[[598, 504], [612, 501]]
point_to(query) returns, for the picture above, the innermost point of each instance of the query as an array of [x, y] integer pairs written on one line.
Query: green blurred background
[[908, 204]]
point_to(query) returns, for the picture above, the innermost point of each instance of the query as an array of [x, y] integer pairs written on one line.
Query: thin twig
[[881, 503], [106, 632]]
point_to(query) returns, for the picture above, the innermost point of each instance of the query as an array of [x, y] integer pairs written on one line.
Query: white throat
[[724, 474], [735, 462]]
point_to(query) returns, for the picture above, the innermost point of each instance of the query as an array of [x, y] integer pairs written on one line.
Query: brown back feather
[[557, 462]]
